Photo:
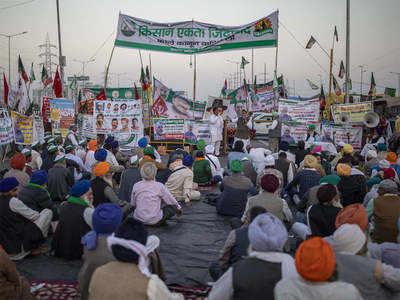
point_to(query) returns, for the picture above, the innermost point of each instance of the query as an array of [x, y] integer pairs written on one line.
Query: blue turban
[[142, 142], [187, 160], [284, 146], [8, 184], [109, 140], [114, 144], [100, 155], [80, 188], [39, 177], [267, 233], [106, 218]]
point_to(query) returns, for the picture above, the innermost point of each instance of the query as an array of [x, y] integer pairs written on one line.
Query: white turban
[[267, 233], [269, 161], [148, 171], [209, 149], [384, 164], [372, 154], [347, 238]]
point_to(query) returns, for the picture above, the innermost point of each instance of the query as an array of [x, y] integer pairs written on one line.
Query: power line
[[380, 57], [101, 46], [16, 5]]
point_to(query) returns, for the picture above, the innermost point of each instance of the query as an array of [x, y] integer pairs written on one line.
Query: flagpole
[[276, 56], [347, 50], [108, 68], [194, 83], [252, 65]]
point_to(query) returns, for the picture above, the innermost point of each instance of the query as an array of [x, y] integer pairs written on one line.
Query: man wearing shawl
[[17, 164]]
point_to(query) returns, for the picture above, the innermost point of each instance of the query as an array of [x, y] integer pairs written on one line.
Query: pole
[[194, 82], [265, 73], [347, 50], [252, 66], [9, 59], [361, 86], [83, 74], [108, 68], [60, 57], [237, 75], [276, 60], [330, 73]]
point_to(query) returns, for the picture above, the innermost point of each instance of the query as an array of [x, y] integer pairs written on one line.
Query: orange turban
[[353, 214], [315, 260], [391, 157], [343, 170], [18, 161], [101, 168], [92, 145]]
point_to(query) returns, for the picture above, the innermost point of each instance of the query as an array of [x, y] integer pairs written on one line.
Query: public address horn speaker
[[371, 119], [344, 118]]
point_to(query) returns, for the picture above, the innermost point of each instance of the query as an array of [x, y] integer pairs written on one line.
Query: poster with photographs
[[293, 132], [347, 134], [62, 115], [169, 129], [88, 126], [6, 129], [196, 130], [121, 118]]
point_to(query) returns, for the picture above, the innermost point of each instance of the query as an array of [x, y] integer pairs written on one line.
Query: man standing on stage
[[217, 126], [274, 133]]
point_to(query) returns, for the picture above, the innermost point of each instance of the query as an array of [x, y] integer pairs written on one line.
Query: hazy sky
[[86, 24]]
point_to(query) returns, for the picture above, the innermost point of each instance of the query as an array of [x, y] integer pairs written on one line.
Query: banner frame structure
[[191, 36]]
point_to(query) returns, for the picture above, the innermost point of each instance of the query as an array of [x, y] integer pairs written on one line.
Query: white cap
[[341, 144], [209, 149], [269, 161], [133, 160], [59, 157], [372, 154]]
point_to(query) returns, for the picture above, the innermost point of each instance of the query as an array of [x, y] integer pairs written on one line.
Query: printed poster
[[197, 130], [190, 37], [302, 111], [62, 115], [6, 129], [39, 129], [23, 128], [169, 129], [355, 111], [88, 126], [170, 104], [293, 132], [347, 134]]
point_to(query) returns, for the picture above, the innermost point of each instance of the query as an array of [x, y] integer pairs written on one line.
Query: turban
[[92, 145], [18, 161], [326, 193], [348, 149], [315, 260], [8, 184], [343, 170], [311, 126], [372, 154], [374, 180], [269, 161], [391, 254], [353, 214], [201, 144], [72, 126], [267, 233], [389, 173], [47, 137], [106, 218], [82, 142], [134, 160], [284, 146], [388, 186], [69, 148], [236, 166], [269, 183], [51, 140], [109, 140], [80, 188], [148, 171], [391, 157], [347, 238], [101, 168], [57, 134], [35, 145], [47, 133], [310, 161], [317, 150], [142, 142], [341, 144], [100, 155], [59, 158], [384, 164], [148, 150], [382, 147], [52, 149], [332, 179], [39, 177], [209, 149], [187, 160], [26, 152], [114, 144]]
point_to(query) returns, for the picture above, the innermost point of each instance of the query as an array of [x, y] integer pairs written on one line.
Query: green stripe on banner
[[239, 45]]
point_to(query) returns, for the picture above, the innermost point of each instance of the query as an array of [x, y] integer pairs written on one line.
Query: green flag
[[32, 77], [243, 63], [73, 84]]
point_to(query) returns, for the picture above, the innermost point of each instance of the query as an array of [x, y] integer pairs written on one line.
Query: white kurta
[[217, 125], [258, 156]]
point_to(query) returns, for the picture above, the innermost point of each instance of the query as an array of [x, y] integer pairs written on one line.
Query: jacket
[[60, 182], [202, 171], [386, 216], [128, 178], [352, 189], [242, 130]]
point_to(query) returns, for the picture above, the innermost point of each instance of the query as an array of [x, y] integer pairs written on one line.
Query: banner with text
[[23, 128], [61, 114], [88, 126], [190, 37], [293, 132], [347, 134], [39, 129], [355, 111], [196, 130], [301, 111], [6, 129], [170, 104], [169, 129]]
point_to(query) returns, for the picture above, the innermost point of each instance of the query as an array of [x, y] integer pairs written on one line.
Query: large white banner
[[190, 37], [6, 129], [306, 111], [347, 134]]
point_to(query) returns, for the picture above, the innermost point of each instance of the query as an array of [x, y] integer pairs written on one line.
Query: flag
[[21, 70], [136, 93], [311, 42], [73, 84], [336, 86], [143, 80], [223, 90], [336, 35], [6, 89], [322, 102], [341, 71], [372, 89], [101, 95], [255, 84], [312, 85], [275, 83], [57, 85], [390, 92], [243, 63], [148, 81], [350, 84], [22, 95], [32, 76], [46, 80]]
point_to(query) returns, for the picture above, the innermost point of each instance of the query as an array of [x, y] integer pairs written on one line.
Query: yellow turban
[[348, 149], [310, 161], [101, 168], [343, 170]]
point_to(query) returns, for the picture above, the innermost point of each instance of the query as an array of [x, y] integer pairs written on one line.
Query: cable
[[15, 5], [380, 57], [308, 53], [101, 46]]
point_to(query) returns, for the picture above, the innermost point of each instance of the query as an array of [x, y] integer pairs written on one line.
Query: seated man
[[61, 179], [180, 183], [17, 164], [236, 245], [129, 177], [216, 169], [22, 229], [202, 170]]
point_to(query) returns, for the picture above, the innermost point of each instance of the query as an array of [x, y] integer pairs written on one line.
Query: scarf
[[90, 239], [199, 158], [77, 200], [40, 187], [143, 251]]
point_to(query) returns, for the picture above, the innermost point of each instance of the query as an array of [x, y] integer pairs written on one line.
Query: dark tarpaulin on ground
[[187, 246]]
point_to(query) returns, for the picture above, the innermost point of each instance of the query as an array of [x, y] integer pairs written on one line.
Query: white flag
[[22, 95]]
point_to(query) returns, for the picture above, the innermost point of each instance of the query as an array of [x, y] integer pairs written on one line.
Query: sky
[[88, 29]]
